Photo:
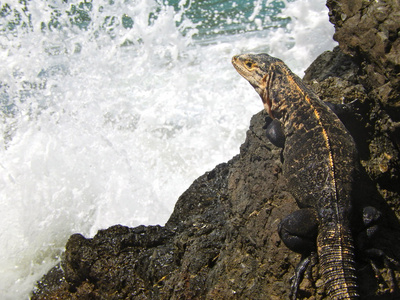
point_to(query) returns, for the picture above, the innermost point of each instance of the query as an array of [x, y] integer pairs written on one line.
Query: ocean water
[[110, 109]]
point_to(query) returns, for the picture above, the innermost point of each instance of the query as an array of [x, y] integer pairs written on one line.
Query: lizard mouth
[[237, 66], [245, 73]]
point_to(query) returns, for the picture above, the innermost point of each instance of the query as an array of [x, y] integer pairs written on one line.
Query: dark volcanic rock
[[369, 31], [334, 76], [221, 241]]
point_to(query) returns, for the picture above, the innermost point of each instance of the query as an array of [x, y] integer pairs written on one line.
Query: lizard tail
[[336, 255]]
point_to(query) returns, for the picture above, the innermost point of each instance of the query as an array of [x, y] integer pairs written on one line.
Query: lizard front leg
[[372, 221], [275, 132]]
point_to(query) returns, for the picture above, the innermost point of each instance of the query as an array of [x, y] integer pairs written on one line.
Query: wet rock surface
[[221, 241]]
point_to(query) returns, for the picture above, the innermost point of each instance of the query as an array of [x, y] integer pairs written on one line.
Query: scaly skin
[[319, 163]]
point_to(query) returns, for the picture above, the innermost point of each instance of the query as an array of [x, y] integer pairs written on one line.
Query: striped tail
[[336, 258]]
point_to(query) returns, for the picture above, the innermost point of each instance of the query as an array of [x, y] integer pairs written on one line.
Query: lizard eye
[[250, 65]]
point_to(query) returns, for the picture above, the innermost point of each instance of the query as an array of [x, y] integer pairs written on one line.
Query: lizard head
[[257, 69]]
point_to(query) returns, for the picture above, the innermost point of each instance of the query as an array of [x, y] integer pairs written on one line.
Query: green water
[[208, 18], [218, 17]]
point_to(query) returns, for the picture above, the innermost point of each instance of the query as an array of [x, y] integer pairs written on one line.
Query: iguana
[[320, 159]]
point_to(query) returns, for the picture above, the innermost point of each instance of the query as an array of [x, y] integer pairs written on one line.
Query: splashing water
[[109, 110]]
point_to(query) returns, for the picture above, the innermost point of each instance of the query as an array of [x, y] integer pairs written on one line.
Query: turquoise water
[[110, 109], [208, 17], [214, 18]]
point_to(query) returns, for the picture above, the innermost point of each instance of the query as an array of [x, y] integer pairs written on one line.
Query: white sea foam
[[103, 134]]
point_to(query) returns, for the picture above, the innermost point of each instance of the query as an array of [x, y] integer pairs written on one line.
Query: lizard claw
[[388, 263], [298, 276]]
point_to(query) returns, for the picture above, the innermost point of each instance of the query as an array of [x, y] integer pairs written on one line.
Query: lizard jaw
[[260, 82]]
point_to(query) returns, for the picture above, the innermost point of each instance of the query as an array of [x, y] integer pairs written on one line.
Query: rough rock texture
[[335, 77], [369, 31], [221, 241]]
